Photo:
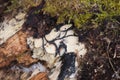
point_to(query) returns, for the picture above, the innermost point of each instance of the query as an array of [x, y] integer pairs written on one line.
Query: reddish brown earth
[[15, 48]]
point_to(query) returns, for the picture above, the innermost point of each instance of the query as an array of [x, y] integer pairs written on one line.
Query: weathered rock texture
[[9, 27], [61, 46]]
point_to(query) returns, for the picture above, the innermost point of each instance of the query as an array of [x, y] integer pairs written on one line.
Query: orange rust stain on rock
[[26, 59], [13, 47]]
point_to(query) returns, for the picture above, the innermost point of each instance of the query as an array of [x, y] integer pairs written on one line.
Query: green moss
[[82, 11], [22, 4]]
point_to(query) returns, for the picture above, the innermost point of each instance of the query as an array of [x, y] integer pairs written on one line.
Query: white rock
[[56, 71], [70, 32], [37, 52], [62, 34], [20, 16], [49, 58], [12, 22], [32, 68], [80, 50], [38, 42], [9, 28], [50, 48], [72, 48], [57, 42], [52, 35], [30, 42], [65, 27], [72, 75], [38, 66], [71, 40]]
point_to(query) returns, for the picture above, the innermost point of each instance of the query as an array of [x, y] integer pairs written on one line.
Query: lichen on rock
[[53, 46]]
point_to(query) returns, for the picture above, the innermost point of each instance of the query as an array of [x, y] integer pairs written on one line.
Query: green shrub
[[82, 12]]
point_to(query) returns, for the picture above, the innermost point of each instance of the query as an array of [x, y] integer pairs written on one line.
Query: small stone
[[70, 32], [38, 42], [20, 16], [52, 35], [62, 34], [65, 27], [37, 52], [71, 40], [50, 48]]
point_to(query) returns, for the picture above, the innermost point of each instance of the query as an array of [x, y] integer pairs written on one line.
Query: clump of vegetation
[[82, 11], [22, 4]]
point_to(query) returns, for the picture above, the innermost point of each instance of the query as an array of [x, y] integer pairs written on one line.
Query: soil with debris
[[102, 61]]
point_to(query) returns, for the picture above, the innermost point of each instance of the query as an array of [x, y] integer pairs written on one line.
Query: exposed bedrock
[[61, 50]]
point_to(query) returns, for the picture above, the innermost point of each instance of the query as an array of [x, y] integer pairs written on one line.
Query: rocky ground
[[101, 62]]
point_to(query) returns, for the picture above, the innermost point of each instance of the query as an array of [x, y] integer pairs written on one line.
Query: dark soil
[[102, 61], [39, 24]]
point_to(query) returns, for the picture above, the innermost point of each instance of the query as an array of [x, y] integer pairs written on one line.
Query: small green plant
[[82, 11]]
